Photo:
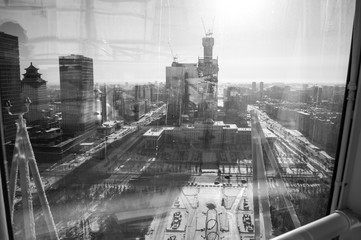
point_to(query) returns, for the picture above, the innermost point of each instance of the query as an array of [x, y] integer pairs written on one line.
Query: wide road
[[88, 171], [282, 190], [255, 184], [260, 190], [296, 146]]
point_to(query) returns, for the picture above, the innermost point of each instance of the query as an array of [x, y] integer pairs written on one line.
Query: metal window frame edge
[[6, 232], [325, 228], [351, 129]]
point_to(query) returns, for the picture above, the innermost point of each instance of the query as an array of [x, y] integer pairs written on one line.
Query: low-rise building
[[154, 139], [208, 133]]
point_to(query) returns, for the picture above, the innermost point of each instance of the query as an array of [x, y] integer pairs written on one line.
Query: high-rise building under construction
[[192, 88]]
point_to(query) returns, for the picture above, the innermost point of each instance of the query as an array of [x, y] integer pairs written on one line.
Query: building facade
[[77, 94], [261, 86], [202, 134], [10, 85], [176, 76]]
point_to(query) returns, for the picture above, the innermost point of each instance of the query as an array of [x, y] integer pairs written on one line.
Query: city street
[[261, 176], [147, 191], [174, 194]]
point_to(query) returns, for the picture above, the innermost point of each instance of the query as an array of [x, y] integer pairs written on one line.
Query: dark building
[[10, 85], [139, 109], [77, 94], [34, 87], [137, 92], [118, 104], [153, 93], [261, 85], [147, 93], [104, 104]]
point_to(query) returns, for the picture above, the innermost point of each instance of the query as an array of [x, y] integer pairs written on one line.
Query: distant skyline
[[260, 40]]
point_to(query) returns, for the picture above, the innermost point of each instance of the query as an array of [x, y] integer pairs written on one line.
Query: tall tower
[[34, 87], [104, 104], [10, 85], [77, 94], [137, 92], [208, 43], [208, 74], [176, 76], [261, 85], [192, 87], [254, 86]]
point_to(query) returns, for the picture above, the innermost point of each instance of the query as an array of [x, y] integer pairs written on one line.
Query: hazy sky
[[130, 41]]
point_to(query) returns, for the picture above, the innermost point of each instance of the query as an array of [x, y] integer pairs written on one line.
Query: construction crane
[[175, 57], [210, 31]]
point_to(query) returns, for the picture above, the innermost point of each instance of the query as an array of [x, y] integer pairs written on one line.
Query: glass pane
[[152, 119]]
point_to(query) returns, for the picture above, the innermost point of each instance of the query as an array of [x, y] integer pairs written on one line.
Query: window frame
[[347, 150]]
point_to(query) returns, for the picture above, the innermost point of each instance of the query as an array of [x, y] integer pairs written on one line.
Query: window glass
[[163, 119]]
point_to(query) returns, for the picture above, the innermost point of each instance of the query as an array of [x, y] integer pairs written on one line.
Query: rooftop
[[268, 133], [244, 129], [154, 132], [230, 126]]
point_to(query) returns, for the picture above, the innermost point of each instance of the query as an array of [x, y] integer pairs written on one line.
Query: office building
[[261, 86], [10, 86], [77, 94]]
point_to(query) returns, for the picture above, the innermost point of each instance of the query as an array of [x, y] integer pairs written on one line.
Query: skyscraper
[[208, 74], [34, 87], [261, 89], [77, 94], [10, 86], [104, 103], [177, 97], [254, 87]]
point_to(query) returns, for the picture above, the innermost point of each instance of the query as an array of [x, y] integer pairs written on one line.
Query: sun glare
[[232, 11]]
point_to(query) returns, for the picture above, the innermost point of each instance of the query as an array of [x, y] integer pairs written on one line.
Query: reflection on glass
[[175, 119]]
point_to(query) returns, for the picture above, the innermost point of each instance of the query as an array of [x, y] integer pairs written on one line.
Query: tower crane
[[210, 31], [175, 57]]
